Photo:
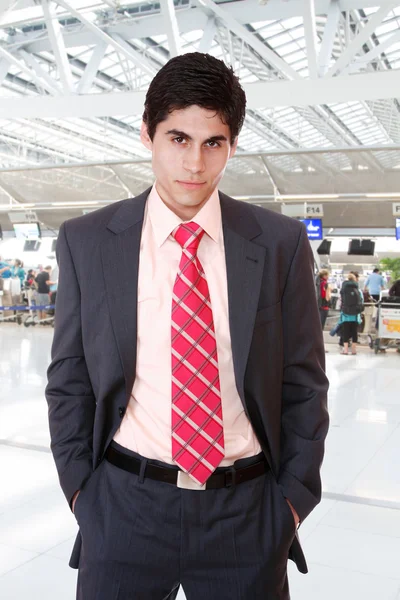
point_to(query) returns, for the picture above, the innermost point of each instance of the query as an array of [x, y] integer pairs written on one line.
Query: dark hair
[[195, 79], [355, 273], [376, 271], [19, 262]]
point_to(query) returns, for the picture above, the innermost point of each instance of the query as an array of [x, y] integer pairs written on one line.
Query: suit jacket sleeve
[[304, 393], [69, 394]]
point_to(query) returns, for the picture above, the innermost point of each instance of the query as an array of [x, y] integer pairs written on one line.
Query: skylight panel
[[275, 28], [299, 59], [292, 22], [260, 24], [280, 40], [288, 48], [386, 28], [159, 39], [193, 36]]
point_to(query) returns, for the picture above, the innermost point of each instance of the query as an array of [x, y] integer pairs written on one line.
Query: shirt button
[[121, 411]]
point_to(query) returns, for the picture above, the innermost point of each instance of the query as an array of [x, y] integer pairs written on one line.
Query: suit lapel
[[244, 264], [120, 260]]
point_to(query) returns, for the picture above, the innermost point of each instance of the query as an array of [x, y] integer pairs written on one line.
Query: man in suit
[[186, 392]]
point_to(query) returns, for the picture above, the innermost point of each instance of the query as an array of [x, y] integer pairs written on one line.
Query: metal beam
[[378, 50], [247, 154], [6, 7], [91, 69], [4, 67], [118, 44], [269, 55], [346, 88], [208, 35], [310, 31], [358, 42], [57, 43], [273, 10], [174, 43], [12, 192], [36, 66], [136, 57], [328, 40], [268, 172], [38, 80]]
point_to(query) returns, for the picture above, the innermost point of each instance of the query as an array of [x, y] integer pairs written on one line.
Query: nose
[[193, 160]]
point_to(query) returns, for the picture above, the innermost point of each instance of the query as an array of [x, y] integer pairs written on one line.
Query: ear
[[233, 148], [144, 136]]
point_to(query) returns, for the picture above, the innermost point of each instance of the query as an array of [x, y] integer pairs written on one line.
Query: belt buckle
[[186, 483]]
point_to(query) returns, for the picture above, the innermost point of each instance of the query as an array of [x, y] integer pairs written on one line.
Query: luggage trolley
[[33, 319], [388, 325]]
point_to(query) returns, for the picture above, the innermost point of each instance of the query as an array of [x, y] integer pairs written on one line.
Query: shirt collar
[[164, 220]]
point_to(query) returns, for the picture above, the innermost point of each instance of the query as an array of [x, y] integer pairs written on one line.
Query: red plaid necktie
[[197, 428]]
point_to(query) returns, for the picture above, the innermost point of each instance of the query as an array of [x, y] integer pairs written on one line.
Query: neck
[[186, 213]]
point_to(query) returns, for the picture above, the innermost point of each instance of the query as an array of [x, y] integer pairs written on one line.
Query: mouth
[[191, 185]]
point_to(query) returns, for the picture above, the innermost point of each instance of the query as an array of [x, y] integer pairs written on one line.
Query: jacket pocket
[[267, 314]]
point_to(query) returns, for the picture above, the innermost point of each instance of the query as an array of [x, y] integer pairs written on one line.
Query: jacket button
[[121, 411]]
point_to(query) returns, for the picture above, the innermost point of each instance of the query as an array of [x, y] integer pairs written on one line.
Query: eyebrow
[[214, 138]]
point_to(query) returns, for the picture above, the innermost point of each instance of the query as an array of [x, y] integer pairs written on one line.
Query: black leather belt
[[223, 478]]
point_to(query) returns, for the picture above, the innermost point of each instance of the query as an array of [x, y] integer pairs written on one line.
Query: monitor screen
[[398, 228], [32, 245], [361, 247], [314, 228], [27, 231], [324, 248]]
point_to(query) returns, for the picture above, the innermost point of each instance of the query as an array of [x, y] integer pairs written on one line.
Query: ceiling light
[[78, 204], [310, 197], [393, 195]]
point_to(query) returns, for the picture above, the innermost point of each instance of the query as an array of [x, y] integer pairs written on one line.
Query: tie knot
[[188, 235]]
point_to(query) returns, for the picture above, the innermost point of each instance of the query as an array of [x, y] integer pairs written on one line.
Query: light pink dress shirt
[[146, 425]]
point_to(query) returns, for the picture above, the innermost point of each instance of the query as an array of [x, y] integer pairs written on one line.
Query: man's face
[[190, 151]]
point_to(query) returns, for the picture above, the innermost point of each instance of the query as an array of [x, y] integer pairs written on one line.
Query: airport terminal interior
[[320, 143]]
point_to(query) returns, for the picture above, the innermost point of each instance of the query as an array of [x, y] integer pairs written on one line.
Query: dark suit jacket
[[277, 344]]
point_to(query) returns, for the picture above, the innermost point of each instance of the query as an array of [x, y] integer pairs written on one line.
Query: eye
[[178, 139], [213, 144]]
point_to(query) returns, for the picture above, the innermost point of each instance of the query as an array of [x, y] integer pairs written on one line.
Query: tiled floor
[[351, 540]]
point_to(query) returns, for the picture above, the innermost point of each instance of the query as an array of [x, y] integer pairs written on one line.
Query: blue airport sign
[[314, 228]]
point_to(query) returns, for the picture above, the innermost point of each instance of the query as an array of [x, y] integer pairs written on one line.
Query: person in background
[[350, 314], [17, 270], [5, 270], [374, 284], [5, 286], [323, 295], [53, 288], [30, 287], [17, 282], [395, 289], [43, 290], [30, 278]]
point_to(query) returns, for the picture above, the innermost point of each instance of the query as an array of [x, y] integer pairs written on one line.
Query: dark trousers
[[323, 316], [142, 539], [350, 331]]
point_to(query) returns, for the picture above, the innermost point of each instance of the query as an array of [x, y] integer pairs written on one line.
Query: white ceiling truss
[[320, 76]]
